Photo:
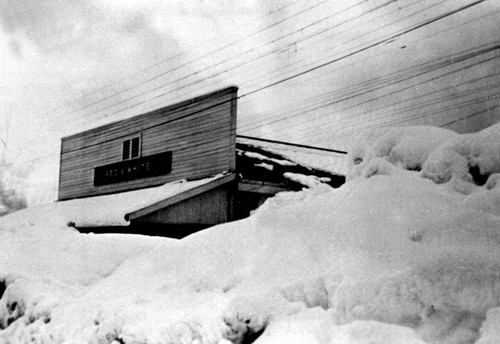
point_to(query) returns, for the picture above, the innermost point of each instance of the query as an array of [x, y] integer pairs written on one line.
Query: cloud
[[54, 52], [66, 27], [48, 24], [72, 47]]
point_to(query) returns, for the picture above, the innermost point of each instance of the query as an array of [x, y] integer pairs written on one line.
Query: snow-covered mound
[[407, 251], [440, 154]]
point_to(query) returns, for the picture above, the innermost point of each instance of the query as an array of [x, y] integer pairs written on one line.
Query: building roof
[[318, 158], [286, 165], [118, 209], [172, 107]]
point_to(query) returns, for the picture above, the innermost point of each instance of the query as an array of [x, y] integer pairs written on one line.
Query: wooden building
[[189, 140], [168, 172]]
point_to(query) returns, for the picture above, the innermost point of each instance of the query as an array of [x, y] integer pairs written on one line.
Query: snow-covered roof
[[312, 157], [118, 209]]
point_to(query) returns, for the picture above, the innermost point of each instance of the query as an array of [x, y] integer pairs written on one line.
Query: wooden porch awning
[[118, 209]]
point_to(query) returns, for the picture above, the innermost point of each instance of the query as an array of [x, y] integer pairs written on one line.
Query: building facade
[[172, 171]]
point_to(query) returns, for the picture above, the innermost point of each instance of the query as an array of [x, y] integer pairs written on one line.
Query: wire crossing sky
[[309, 72]]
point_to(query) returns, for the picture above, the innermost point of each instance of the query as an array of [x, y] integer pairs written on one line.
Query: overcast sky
[[55, 52], [313, 72]]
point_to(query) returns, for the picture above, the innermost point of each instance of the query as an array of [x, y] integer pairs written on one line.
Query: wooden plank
[[181, 156], [232, 135], [214, 154], [142, 122], [207, 208], [206, 121], [195, 166], [255, 186], [83, 191], [171, 108], [174, 131], [180, 197], [200, 170], [101, 155]]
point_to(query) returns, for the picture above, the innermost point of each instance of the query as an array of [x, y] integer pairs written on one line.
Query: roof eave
[[180, 197]]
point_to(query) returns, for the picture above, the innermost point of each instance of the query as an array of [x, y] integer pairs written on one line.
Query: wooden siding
[[227, 181], [207, 208], [200, 132], [262, 187]]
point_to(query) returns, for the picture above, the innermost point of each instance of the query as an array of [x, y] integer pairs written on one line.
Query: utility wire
[[111, 105], [375, 44], [330, 95], [385, 40], [232, 43], [396, 115], [378, 86], [470, 116], [169, 59], [319, 66], [195, 73]]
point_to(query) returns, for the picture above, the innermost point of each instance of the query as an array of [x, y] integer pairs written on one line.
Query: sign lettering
[[148, 166]]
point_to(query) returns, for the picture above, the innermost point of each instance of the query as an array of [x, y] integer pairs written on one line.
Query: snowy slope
[[407, 251]]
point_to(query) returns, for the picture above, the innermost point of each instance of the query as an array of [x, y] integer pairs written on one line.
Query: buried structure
[[178, 169]]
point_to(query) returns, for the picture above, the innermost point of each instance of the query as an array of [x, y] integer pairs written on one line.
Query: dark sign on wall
[[148, 166]]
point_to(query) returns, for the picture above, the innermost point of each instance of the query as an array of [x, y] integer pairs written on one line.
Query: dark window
[[126, 150], [131, 148], [136, 149]]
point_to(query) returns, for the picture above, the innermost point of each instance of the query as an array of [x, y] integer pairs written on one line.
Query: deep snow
[[407, 251]]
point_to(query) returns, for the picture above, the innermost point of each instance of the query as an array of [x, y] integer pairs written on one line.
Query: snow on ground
[[407, 251]]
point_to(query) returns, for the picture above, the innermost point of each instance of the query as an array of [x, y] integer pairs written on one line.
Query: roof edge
[[171, 107], [290, 144], [180, 197]]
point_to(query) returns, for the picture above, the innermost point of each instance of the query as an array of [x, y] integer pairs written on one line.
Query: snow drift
[[407, 251]]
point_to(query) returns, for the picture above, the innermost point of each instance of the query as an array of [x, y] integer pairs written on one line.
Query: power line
[[198, 72], [232, 43], [279, 49], [314, 100], [440, 111], [217, 38], [358, 93], [134, 104], [308, 70], [320, 67], [427, 22], [361, 36], [394, 117], [470, 116]]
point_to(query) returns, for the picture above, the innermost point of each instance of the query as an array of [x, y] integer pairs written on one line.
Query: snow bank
[[406, 147], [439, 154], [472, 157], [390, 257]]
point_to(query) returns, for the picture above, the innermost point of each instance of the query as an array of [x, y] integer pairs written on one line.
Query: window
[[131, 148]]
